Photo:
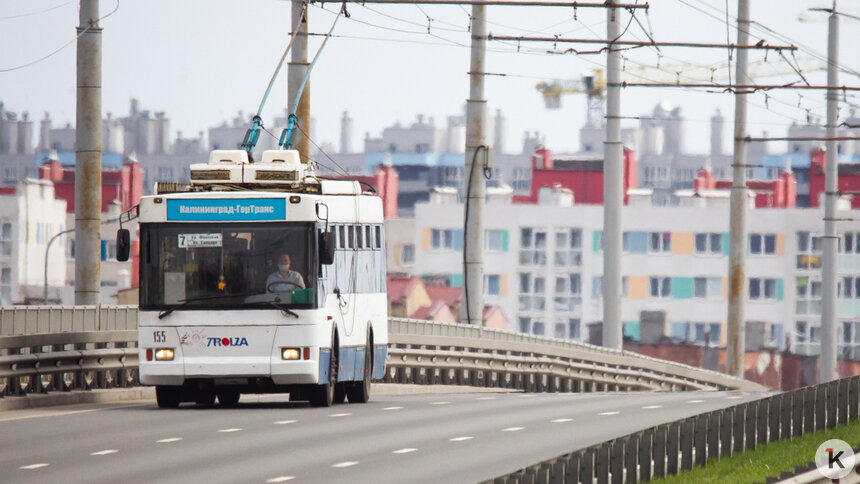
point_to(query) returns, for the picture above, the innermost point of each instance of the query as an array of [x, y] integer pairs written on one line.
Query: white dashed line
[[284, 422], [230, 430], [34, 466], [734, 397], [608, 413], [440, 403], [528, 395], [348, 463], [486, 398], [281, 479], [561, 420], [512, 429], [651, 407], [340, 415], [404, 451], [460, 439], [105, 452], [695, 401], [167, 441], [392, 408]]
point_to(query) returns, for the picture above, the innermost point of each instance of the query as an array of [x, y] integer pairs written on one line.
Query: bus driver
[[284, 280]]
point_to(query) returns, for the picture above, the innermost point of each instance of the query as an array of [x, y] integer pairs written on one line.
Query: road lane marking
[[560, 420], [340, 415], [230, 430], [695, 401], [608, 413], [440, 403], [392, 408], [34, 466], [733, 397], [486, 398], [404, 451], [348, 463], [281, 479], [167, 441], [105, 452], [512, 429], [527, 395], [650, 407], [460, 439], [284, 422]]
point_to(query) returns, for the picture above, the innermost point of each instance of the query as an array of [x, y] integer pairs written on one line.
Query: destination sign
[[245, 209]]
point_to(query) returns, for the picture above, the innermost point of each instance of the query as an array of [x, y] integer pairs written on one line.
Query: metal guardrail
[[677, 446], [426, 352], [45, 348]]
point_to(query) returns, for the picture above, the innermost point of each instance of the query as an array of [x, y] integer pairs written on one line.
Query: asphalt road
[[465, 437]]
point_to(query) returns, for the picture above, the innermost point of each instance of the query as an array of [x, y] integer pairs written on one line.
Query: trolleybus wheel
[[228, 398], [340, 392], [359, 392], [167, 397]]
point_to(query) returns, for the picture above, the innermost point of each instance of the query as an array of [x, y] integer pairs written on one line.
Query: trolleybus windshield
[[224, 266]]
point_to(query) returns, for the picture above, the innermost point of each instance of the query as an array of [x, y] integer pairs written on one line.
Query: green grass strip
[[767, 460]]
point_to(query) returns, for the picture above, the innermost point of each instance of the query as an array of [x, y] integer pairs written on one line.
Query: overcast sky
[[203, 61]]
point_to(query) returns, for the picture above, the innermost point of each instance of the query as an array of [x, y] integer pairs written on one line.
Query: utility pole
[[829, 254], [613, 173], [477, 152], [737, 222], [298, 67], [88, 154]]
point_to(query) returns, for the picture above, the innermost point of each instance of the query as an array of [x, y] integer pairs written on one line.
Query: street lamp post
[[47, 249]]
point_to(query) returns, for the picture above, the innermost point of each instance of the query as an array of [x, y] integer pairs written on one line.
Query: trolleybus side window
[[367, 237], [377, 232], [341, 237], [358, 238]]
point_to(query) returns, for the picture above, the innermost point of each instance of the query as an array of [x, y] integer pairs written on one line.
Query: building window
[[762, 288], [492, 284], [574, 329], [708, 287], [808, 296], [165, 174], [849, 287], [709, 243], [568, 290], [660, 242], [10, 175], [522, 179], [494, 240], [443, 239], [559, 330], [532, 247], [661, 287], [5, 238], [850, 243], [5, 285], [532, 293], [568, 248], [407, 256], [800, 328], [525, 325], [808, 251], [538, 328], [763, 244]]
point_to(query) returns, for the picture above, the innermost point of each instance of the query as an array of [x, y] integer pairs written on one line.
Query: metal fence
[[679, 446], [45, 348]]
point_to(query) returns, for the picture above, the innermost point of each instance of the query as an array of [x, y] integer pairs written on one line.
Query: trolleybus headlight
[[291, 353], [163, 354]]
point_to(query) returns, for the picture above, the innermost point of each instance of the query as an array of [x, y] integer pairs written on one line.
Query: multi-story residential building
[[30, 216], [543, 266]]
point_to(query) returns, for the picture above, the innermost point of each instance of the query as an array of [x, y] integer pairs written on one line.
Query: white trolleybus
[[261, 278]]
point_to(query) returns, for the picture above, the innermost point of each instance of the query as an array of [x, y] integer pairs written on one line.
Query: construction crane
[[593, 82]]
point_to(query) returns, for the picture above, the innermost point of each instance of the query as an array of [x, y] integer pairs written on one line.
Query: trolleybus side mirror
[[326, 248], [123, 245]]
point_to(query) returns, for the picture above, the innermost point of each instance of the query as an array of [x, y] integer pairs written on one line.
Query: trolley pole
[[613, 172], [830, 242], [738, 201], [88, 154], [298, 67], [476, 153]]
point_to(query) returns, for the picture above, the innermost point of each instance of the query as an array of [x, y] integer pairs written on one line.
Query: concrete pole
[[737, 222], [613, 173], [829, 342], [298, 68], [88, 154], [475, 184]]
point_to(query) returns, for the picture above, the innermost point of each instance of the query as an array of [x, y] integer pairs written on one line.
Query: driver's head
[[284, 263]]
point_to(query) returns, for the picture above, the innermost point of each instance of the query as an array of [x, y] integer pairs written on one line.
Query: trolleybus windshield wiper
[[283, 309], [184, 302]]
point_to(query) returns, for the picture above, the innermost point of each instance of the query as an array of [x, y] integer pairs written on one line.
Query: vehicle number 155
[[159, 337]]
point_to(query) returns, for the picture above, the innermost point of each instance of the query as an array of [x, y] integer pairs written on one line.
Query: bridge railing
[[675, 447], [46, 348]]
